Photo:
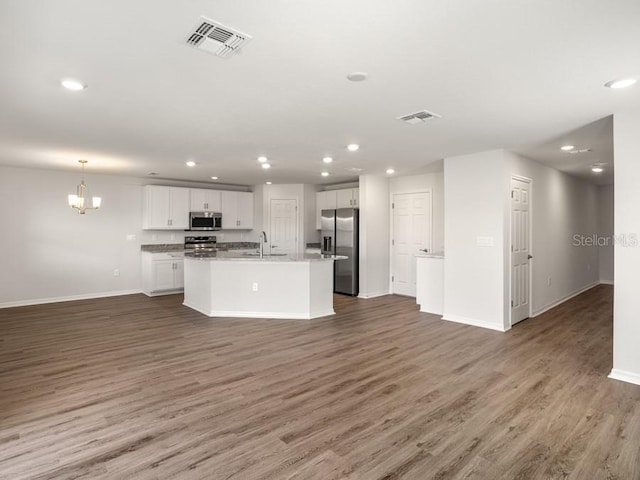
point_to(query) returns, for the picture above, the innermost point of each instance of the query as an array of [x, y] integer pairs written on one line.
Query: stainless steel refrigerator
[[339, 235]]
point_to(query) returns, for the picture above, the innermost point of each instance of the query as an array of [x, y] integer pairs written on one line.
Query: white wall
[[374, 236], [51, 252], [626, 304], [605, 230], [562, 206], [311, 235], [475, 196], [422, 183]]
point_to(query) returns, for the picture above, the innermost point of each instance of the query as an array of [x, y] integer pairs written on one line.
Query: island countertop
[[255, 257]]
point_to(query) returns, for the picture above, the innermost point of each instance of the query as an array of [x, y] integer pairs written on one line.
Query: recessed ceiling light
[[390, 171], [566, 148], [266, 165], [72, 84], [262, 159], [353, 147], [214, 178], [357, 76], [597, 169], [269, 183], [325, 174], [190, 163], [327, 159], [621, 83]]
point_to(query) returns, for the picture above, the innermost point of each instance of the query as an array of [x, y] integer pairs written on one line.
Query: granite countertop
[[179, 247], [231, 256], [430, 255]]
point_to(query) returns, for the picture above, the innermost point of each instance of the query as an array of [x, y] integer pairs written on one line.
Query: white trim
[[625, 376], [474, 322], [374, 295], [606, 282], [159, 293], [71, 298], [277, 315], [546, 308]]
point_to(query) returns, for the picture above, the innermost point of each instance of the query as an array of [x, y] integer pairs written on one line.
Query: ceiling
[[519, 75]]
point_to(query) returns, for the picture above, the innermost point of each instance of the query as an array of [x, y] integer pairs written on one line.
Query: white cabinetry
[[162, 273], [203, 200], [348, 198], [325, 201], [332, 199], [429, 283], [165, 208], [237, 210]]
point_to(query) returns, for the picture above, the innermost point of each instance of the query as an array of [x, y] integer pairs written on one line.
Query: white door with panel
[[283, 226], [411, 235], [520, 249]]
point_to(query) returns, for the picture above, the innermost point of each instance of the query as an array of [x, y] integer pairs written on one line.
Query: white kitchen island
[[236, 285]]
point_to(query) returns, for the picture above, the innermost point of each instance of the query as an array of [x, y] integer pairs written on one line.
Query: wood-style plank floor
[[143, 388]]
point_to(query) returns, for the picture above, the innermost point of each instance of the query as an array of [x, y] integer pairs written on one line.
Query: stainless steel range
[[201, 246]]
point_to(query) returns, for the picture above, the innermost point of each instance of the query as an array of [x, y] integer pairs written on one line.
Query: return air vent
[[584, 150], [215, 38], [418, 117]]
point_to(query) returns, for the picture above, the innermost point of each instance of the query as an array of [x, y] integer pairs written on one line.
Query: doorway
[[283, 226], [521, 254], [411, 234]]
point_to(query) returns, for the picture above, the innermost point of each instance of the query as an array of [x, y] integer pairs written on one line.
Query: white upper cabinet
[[203, 200], [237, 210], [165, 208], [348, 198], [325, 201]]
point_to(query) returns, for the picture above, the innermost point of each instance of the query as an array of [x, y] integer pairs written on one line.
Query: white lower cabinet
[[162, 273]]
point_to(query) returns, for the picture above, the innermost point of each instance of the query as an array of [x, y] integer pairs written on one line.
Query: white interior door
[[520, 249], [411, 235], [283, 222]]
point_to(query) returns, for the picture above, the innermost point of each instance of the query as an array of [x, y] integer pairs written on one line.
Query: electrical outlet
[[131, 237], [116, 272], [173, 237], [154, 237], [255, 287], [548, 281]]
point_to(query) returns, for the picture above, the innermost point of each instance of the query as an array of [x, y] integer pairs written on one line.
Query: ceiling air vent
[[584, 150], [418, 117], [215, 38]]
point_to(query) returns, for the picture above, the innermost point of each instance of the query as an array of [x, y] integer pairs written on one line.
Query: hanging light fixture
[[77, 201]]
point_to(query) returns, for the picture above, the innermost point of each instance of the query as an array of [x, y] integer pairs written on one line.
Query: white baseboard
[[373, 295], [625, 376], [564, 299], [279, 315], [606, 282], [85, 296], [473, 322]]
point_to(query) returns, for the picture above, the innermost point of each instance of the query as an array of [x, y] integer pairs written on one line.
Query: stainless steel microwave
[[205, 221]]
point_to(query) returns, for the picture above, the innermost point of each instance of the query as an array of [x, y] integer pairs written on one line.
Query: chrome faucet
[[262, 240]]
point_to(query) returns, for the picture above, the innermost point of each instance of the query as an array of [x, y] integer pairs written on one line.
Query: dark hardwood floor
[[139, 388]]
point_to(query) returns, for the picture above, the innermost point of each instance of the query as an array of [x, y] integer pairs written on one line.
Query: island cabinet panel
[[237, 210], [162, 274], [203, 200], [291, 287], [165, 208]]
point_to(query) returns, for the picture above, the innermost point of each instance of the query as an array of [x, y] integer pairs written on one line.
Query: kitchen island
[[229, 284]]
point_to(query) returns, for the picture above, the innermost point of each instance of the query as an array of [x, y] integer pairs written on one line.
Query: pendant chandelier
[[78, 200]]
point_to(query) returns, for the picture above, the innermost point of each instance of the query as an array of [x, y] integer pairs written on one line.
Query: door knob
[[425, 250], [529, 257]]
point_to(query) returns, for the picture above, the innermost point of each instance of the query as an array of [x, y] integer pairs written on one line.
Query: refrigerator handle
[[326, 246]]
